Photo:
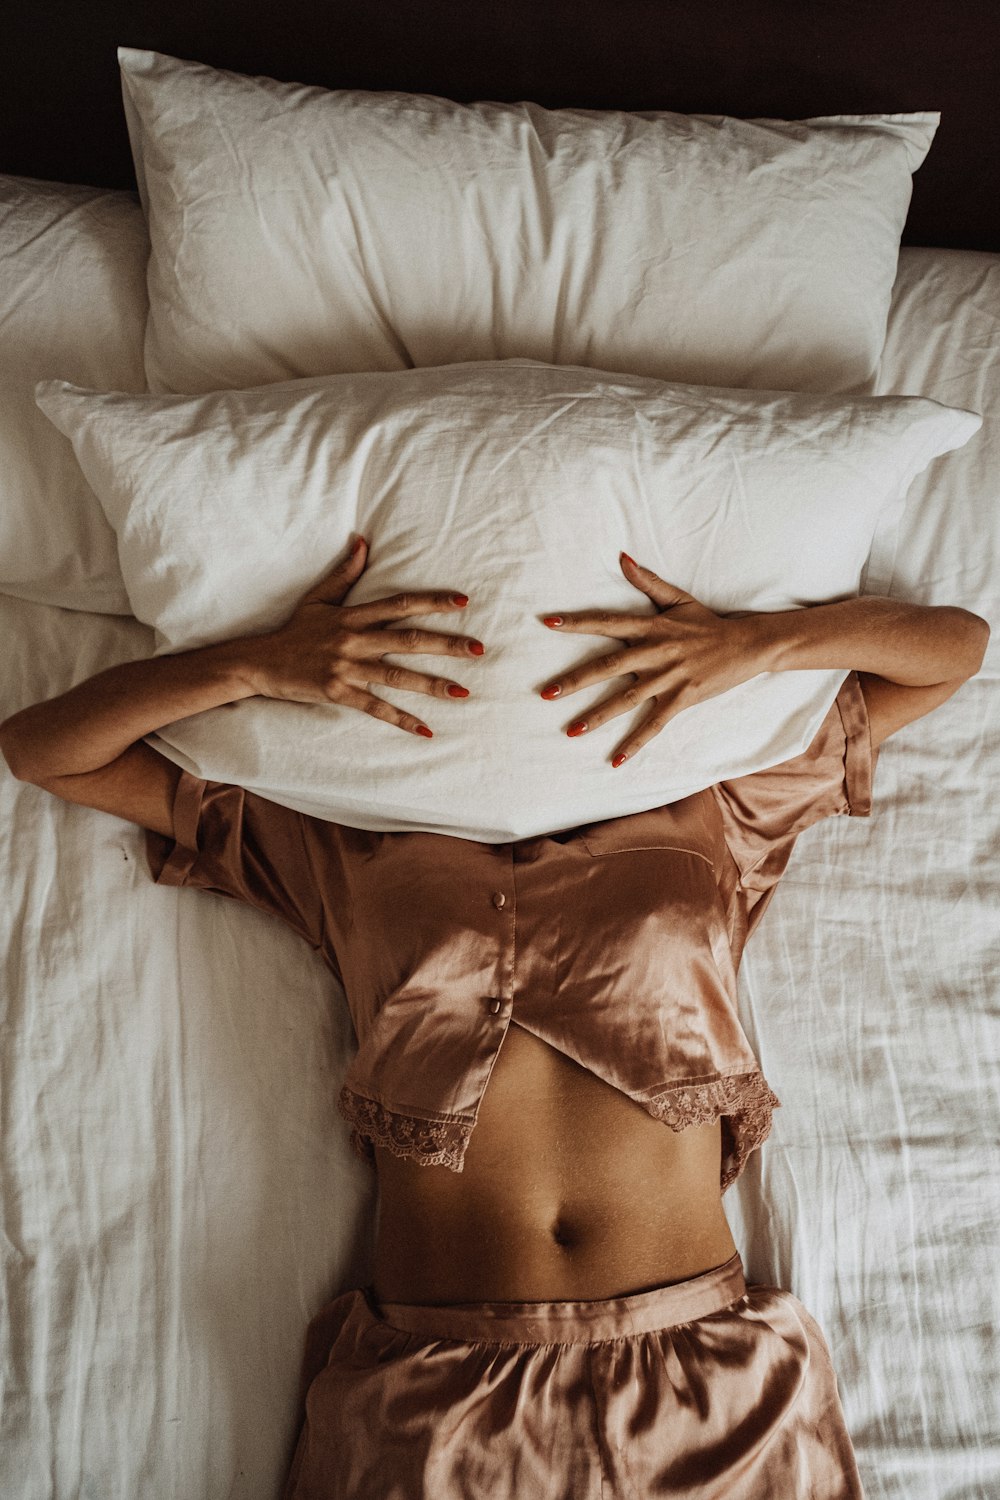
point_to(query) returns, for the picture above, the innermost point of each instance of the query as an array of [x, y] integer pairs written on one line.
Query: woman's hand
[[677, 657], [327, 652]]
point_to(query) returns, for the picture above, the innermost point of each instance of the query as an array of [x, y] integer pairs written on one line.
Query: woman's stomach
[[569, 1191]]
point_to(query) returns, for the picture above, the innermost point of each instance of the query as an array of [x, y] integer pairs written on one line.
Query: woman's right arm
[[92, 724], [85, 745]]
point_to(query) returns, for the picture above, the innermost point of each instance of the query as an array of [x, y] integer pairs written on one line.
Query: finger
[[386, 712], [658, 589], [612, 708], [612, 664], [429, 642], [410, 682], [601, 622], [334, 586], [398, 606], [648, 730]]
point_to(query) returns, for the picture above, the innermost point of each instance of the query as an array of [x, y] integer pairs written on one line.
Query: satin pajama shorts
[[705, 1388]]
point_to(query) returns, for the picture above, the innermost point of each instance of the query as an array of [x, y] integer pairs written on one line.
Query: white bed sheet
[[178, 1193]]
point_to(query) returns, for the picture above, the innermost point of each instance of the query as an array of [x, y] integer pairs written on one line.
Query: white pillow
[[72, 303], [297, 232], [517, 483]]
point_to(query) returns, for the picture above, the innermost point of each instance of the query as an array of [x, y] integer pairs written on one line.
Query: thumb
[[659, 590], [334, 587]]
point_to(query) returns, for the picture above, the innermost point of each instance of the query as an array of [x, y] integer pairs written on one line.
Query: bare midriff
[[570, 1191]]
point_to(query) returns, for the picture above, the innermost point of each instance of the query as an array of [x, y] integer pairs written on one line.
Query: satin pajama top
[[617, 943]]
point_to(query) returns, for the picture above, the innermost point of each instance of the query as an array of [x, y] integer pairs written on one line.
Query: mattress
[[179, 1196]]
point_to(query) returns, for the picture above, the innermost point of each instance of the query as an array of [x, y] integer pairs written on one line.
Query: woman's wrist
[[911, 644]]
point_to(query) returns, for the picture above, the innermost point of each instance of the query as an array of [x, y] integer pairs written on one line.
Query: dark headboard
[[61, 115]]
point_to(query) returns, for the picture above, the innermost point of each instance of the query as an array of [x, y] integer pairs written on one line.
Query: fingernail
[[477, 648], [359, 542], [461, 599], [427, 733], [578, 727], [554, 621], [619, 760], [552, 692], [630, 559], [454, 691]]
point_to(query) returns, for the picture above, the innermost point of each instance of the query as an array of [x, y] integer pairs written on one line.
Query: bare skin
[[569, 1190]]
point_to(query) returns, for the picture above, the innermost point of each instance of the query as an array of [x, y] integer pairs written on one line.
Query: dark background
[[61, 114]]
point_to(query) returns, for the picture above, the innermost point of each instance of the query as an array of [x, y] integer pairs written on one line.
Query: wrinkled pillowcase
[[72, 304], [517, 483], [297, 231]]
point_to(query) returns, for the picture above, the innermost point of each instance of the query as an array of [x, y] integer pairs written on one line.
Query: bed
[[179, 1195]]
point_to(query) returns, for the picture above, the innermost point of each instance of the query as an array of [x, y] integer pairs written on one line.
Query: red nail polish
[[619, 760], [552, 692], [359, 542], [461, 599], [577, 728], [630, 559], [427, 733], [553, 621], [477, 648], [454, 691]]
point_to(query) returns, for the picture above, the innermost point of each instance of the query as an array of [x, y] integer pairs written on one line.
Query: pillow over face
[[72, 304], [517, 483], [297, 231]]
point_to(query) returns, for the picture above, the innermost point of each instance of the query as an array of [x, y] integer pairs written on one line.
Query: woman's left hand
[[678, 657]]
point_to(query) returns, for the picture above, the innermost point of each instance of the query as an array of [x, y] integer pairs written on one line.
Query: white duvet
[[178, 1196]]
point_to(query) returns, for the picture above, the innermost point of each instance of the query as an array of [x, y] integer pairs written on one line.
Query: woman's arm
[[910, 657], [97, 720], [915, 645], [85, 744]]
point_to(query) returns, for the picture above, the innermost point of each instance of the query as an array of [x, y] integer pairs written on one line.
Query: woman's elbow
[[962, 641], [979, 639], [8, 752]]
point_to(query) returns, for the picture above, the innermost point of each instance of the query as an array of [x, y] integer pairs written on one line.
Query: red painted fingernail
[[619, 760], [427, 733], [578, 727], [630, 559], [552, 692], [477, 648], [454, 691], [553, 621], [359, 542], [462, 599]]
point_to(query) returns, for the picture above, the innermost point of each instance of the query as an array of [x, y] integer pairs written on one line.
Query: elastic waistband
[[570, 1322]]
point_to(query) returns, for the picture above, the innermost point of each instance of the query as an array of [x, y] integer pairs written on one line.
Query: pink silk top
[[617, 943]]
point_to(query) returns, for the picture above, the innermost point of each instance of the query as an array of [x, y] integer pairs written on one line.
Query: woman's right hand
[[327, 652]]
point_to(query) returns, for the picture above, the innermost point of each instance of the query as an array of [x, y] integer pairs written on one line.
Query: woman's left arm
[[909, 657]]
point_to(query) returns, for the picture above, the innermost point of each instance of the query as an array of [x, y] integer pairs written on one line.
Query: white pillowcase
[[517, 483], [73, 304], [297, 231]]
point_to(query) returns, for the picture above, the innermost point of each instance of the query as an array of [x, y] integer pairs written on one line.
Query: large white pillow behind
[[297, 231], [73, 304], [517, 483]]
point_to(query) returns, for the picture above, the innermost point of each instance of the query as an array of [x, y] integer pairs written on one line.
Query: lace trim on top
[[744, 1099], [432, 1142]]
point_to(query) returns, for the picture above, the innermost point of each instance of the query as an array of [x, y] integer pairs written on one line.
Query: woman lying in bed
[[558, 1307]]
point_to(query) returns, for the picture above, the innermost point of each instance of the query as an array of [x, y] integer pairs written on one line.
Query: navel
[[564, 1234]]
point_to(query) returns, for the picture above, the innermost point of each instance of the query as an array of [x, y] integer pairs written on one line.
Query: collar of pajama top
[[617, 943]]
